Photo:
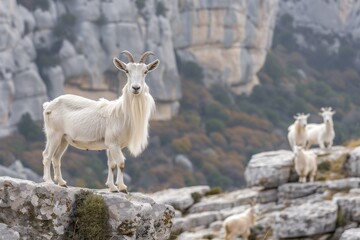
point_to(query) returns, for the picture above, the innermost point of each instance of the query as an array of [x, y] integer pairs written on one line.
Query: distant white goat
[[240, 224], [305, 163], [103, 124], [322, 134], [297, 131]]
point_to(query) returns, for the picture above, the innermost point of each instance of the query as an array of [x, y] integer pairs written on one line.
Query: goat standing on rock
[[240, 224], [297, 131], [103, 124], [305, 164], [322, 134]]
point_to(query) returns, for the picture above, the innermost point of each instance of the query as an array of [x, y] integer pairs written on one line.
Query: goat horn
[[145, 56], [129, 55]]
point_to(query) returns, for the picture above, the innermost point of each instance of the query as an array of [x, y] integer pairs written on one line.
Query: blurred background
[[232, 75]]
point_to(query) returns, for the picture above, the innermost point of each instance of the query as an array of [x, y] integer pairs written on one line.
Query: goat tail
[[45, 105]]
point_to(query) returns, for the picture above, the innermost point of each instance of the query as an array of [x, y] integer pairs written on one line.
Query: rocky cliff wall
[[51, 47]]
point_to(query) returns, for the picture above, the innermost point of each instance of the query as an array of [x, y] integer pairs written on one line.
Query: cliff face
[[50, 48]]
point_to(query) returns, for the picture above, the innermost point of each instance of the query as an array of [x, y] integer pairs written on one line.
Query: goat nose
[[136, 88]]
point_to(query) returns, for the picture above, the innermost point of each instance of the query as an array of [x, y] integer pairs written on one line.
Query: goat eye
[[126, 71], [145, 72]]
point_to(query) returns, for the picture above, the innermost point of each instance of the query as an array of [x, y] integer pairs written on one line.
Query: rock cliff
[[51, 47], [44, 211]]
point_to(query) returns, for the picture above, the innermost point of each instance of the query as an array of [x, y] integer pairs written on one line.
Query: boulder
[[28, 207], [351, 234], [306, 220], [269, 169], [349, 206], [352, 163]]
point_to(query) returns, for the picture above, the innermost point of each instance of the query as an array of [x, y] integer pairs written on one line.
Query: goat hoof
[[124, 191]]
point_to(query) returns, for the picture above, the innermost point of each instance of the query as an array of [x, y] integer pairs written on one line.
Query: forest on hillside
[[217, 132]]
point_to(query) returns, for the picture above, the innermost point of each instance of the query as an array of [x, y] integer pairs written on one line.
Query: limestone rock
[[180, 198], [298, 190], [23, 172], [184, 161], [7, 233], [225, 200], [352, 164], [54, 78], [348, 205], [26, 207], [266, 196], [306, 220], [351, 234], [269, 169]]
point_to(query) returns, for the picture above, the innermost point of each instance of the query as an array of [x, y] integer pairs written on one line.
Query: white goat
[[305, 163], [297, 131], [103, 124], [321, 134], [240, 224]]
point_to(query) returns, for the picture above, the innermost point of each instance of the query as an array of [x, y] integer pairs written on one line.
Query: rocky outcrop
[[352, 164], [68, 46], [306, 220], [239, 35], [286, 210], [17, 170], [43, 210], [269, 169], [351, 234]]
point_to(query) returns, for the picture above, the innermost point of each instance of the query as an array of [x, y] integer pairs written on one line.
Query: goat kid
[[240, 224], [322, 134], [101, 125], [305, 164], [297, 131]]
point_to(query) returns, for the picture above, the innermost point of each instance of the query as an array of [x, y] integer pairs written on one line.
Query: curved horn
[[129, 55], [145, 56]]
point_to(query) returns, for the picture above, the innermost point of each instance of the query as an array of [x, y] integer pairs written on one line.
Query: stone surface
[[226, 200], [181, 198], [351, 234], [269, 169], [26, 207], [352, 164], [298, 190], [306, 220], [7, 233]]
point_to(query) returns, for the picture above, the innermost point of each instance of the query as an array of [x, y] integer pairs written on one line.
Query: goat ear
[[119, 64], [153, 65]]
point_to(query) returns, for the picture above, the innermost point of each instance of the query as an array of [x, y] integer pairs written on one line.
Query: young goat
[[297, 131], [240, 224], [321, 134], [103, 124], [305, 164]]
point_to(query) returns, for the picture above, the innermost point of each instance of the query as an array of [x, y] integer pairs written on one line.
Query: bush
[[214, 125], [140, 4], [64, 27], [29, 129], [161, 9], [192, 71], [89, 218], [182, 145], [273, 68]]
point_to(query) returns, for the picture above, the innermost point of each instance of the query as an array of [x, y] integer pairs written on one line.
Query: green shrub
[[214, 191], [161, 9], [215, 110], [273, 68], [324, 166], [192, 71], [140, 4], [214, 125], [29, 129], [196, 197], [64, 27], [89, 218]]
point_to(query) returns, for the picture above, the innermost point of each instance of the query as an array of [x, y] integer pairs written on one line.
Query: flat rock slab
[[352, 163], [269, 169], [28, 207], [351, 234], [298, 190], [181, 198], [306, 220], [225, 200]]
